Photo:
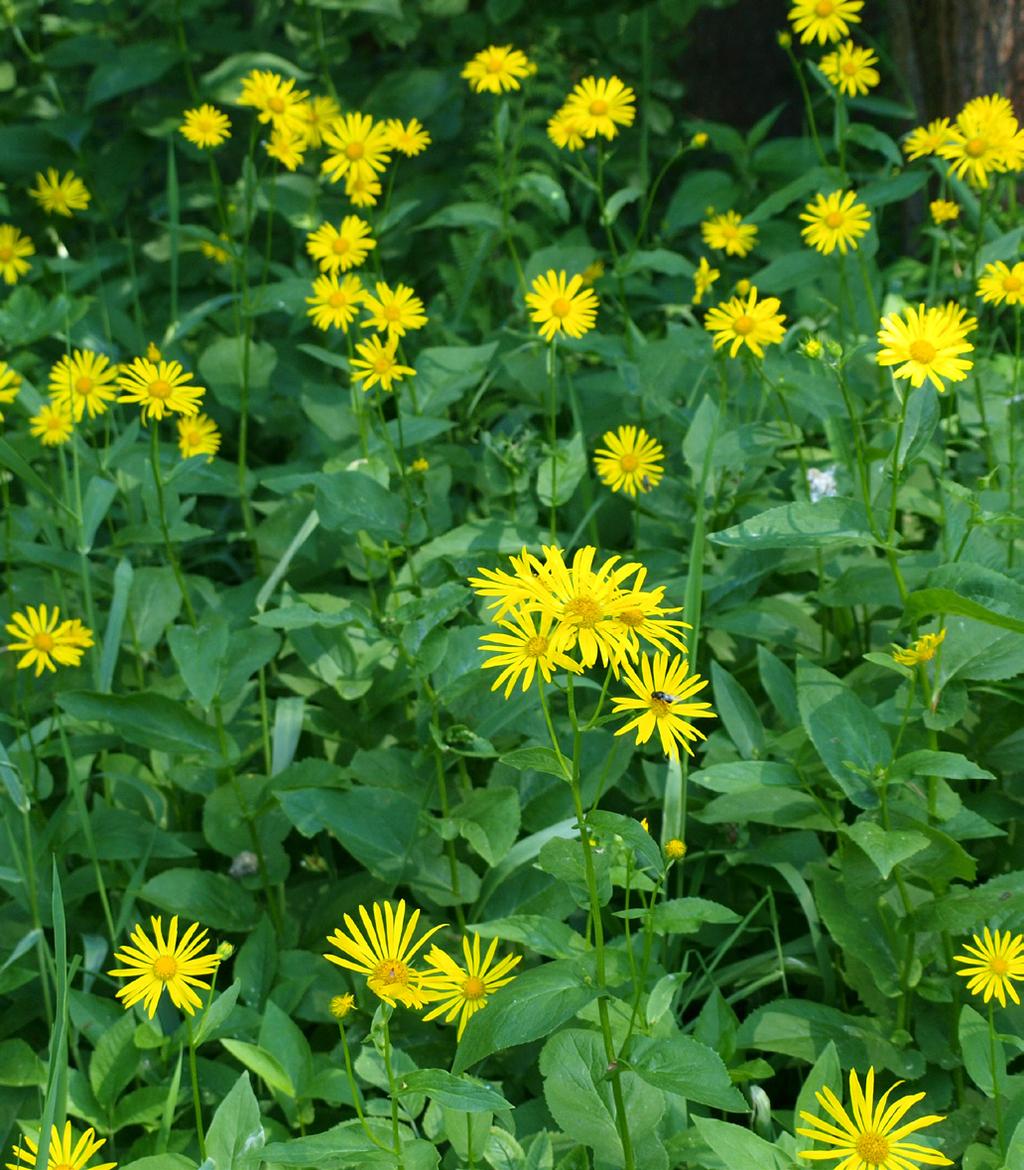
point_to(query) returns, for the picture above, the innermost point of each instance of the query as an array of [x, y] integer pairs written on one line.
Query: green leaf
[[465, 215], [218, 1012], [114, 1061], [682, 1065], [737, 1147], [199, 653], [351, 502], [871, 137], [949, 765], [738, 714], [795, 267], [210, 898], [688, 915], [338, 1148], [826, 1072], [489, 820], [559, 474], [19, 1065], [257, 1060], [922, 419], [538, 759], [830, 522], [971, 591], [128, 68], [146, 719], [235, 1137], [976, 1048], [460, 1092], [886, 849]]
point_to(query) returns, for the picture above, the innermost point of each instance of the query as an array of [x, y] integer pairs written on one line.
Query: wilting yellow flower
[[496, 68], [565, 130], [630, 460], [83, 382], [206, 126], [662, 691], [408, 138], [60, 195], [394, 311], [314, 115], [561, 306], [850, 69], [828, 20], [377, 363], [287, 145], [835, 221], [42, 639], [153, 352], [360, 146], [593, 271], [64, 1153], [171, 964], [704, 276], [1000, 283], [675, 850], [334, 303], [925, 140], [341, 1005], [943, 210], [198, 435], [52, 426], [874, 1136], [10, 384], [159, 388], [923, 650], [342, 247], [275, 98], [602, 105], [384, 953], [985, 139], [729, 233], [14, 247], [925, 343], [463, 991], [214, 251], [362, 188], [749, 322], [526, 646], [993, 964]]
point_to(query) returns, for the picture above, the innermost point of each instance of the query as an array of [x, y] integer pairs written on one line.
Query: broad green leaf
[[257, 1060], [886, 849], [972, 591], [456, 1092], [218, 1012], [950, 765], [235, 1138], [737, 1146], [831, 521], [338, 1148], [199, 654], [213, 899], [129, 68], [19, 1065], [559, 474], [351, 502], [114, 1061], [146, 719], [682, 1065], [826, 1072], [976, 1048], [737, 712], [489, 820], [538, 759]]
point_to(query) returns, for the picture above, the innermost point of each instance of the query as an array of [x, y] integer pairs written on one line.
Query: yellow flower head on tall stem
[[565, 129], [10, 385], [383, 951], [943, 211], [509, 589], [835, 221], [998, 282], [704, 276], [362, 188], [601, 105], [662, 692], [873, 1137], [83, 383], [630, 461], [52, 426], [992, 964], [408, 138], [923, 650], [463, 991], [314, 115], [358, 145], [527, 644], [561, 305], [335, 303], [60, 195], [205, 126], [287, 145], [65, 1153], [394, 310], [985, 139], [750, 322], [14, 247], [275, 99], [824, 20], [46, 642], [648, 620], [728, 233], [850, 69], [496, 69], [198, 435], [925, 343], [343, 247], [925, 140], [377, 362], [164, 964], [159, 388]]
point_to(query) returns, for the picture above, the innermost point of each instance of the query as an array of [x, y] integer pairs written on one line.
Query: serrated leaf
[[684, 1066]]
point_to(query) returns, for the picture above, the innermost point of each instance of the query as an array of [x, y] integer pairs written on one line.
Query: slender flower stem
[[996, 1099], [194, 1076], [172, 556], [1011, 422], [392, 1091], [897, 471], [357, 1097], [503, 178], [613, 247], [808, 106], [553, 433]]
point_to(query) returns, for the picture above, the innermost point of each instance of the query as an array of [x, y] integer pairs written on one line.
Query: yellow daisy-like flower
[[14, 247], [993, 964], [850, 69], [496, 68], [83, 382], [925, 343], [923, 650], [214, 251], [925, 140], [704, 276], [394, 311], [198, 435], [257, 88], [943, 211], [463, 991], [359, 144], [362, 188], [287, 145], [420, 464], [749, 322], [527, 646], [314, 115], [728, 233], [675, 849], [630, 460], [377, 363], [60, 195], [42, 639], [826, 20], [64, 1153], [602, 105], [153, 352], [835, 221], [510, 589], [812, 347], [648, 619], [873, 1138], [10, 385], [1000, 283], [159, 388], [342, 247], [985, 139], [52, 426], [334, 303], [700, 140], [561, 306], [384, 953], [205, 126], [341, 1005], [275, 99], [663, 689], [565, 129], [408, 138], [173, 965], [593, 271]]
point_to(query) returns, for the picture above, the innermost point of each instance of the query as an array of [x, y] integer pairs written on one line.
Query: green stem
[[197, 1105], [392, 1090], [613, 247], [897, 470], [172, 556], [357, 1097], [503, 177], [1011, 422], [996, 1099], [553, 434], [808, 106]]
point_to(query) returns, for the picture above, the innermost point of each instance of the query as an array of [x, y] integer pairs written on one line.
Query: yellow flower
[[341, 1005], [704, 276], [177, 965], [14, 247], [152, 352], [334, 303], [1000, 283], [834, 221], [510, 589], [647, 619], [565, 130], [394, 311], [742, 287], [630, 461], [275, 98], [408, 138], [675, 850], [83, 382], [925, 140], [926, 344], [206, 126], [158, 388], [525, 647], [10, 384], [64, 1153], [943, 210], [561, 306], [828, 20], [287, 145], [811, 347], [463, 991], [342, 247], [313, 115], [923, 650], [747, 322], [873, 1138], [662, 693], [362, 188], [729, 233], [699, 140], [42, 639], [52, 426], [360, 146], [783, 40], [420, 464], [224, 952], [496, 68], [214, 251], [60, 194], [377, 363], [384, 953], [593, 271], [198, 435], [850, 68], [992, 965], [602, 105], [984, 140]]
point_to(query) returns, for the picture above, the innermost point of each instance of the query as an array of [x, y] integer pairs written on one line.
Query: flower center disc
[[392, 971], [6, 253], [495, 65], [165, 968], [975, 147], [659, 708], [631, 618], [337, 300], [536, 647], [743, 325], [560, 307], [922, 351], [160, 389], [43, 641], [849, 68], [83, 385], [276, 104], [598, 107], [873, 1148], [998, 965], [474, 988], [354, 150], [824, 7], [1012, 284], [340, 246], [193, 438], [392, 313], [834, 219], [583, 611], [629, 462], [382, 365]]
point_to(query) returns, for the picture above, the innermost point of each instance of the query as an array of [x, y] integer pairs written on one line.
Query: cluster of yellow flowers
[[850, 67], [596, 105], [56, 194], [984, 139]]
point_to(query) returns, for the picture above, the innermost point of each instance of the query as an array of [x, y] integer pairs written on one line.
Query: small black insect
[[663, 696]]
